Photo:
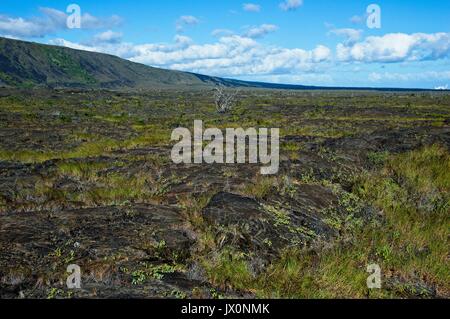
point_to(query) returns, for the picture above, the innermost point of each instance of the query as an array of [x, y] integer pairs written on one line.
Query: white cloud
[[251, 7], [441, 87], [291, 5], [55, 16], [230, 56], [240, 56], [221, 32], [260, 31], [321, 53], [109, 37], [351, 35], [90, 22], [182, 41], [50, 22], [77, 46], [396, 47], [186, 21], [19, 27]]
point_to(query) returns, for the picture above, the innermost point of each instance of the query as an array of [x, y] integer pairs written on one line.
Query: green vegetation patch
[[410, 243]]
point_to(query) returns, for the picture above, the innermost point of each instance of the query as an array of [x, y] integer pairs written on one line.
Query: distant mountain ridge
[[27, 64]]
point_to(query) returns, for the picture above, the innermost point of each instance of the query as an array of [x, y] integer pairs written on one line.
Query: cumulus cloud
[[291, 5], [238, 56], [18, 27], [242, 56], [260, 31], [184, 21], [321, 53], [396, 47], [109, 37], [251, 7], [230, 56], [50, 21], [77, 46], [351, 35], [182, 41]]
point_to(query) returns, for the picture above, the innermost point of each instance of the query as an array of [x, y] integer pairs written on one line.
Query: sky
[[306, 42]]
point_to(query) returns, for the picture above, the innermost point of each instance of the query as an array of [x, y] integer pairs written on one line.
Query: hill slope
[[26, 64]]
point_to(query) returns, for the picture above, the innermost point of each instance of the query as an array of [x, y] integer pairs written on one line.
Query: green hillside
[[26, 64]]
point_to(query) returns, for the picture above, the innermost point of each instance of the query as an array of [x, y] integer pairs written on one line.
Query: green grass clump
[[149, 271], [229, 269], [260, 188], [82, 170], [88, 149], [410, 243], [99, 147], [377, 158], [117, 188]]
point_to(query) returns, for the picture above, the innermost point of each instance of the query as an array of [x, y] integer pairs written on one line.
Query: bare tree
[[225, 100]]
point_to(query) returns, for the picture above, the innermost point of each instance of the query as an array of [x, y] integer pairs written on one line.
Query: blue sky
[[310, 42]]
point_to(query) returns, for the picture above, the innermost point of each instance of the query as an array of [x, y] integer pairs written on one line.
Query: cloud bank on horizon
[[289, 41]]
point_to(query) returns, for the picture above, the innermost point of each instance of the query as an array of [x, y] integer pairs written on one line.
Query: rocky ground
[[86, 178]]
